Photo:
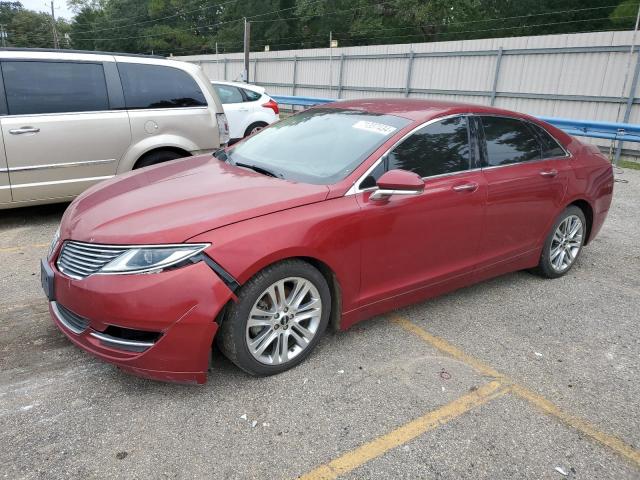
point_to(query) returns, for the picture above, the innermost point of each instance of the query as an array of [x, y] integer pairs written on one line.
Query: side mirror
[[398, 182]]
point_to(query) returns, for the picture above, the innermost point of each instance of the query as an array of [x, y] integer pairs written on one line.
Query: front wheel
[[279, 318], [563, 244]]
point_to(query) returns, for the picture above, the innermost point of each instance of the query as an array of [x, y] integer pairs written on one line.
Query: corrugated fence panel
[[578, 76]]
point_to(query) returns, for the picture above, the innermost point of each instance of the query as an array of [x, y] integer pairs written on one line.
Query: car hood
[[172, 202]]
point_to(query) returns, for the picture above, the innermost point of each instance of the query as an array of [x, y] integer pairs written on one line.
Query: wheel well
[[588, 215], [329, 276], [334, 288], [177, 150]]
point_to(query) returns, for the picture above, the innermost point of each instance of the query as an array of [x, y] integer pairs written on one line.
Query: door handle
[[466, 187], [549, 173], [23, 130]]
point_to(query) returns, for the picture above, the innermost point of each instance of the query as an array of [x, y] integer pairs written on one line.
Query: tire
[[275, 325], [254, 128], [561, 250], [158, 156]]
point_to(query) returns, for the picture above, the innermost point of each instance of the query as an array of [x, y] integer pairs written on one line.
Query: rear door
[[60, 134], [235, 108], [523, 190]]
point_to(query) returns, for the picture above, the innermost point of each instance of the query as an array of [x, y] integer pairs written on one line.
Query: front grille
[[73, 322], [79, 260]]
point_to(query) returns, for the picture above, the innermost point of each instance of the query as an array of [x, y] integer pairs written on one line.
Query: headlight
[[54, 243], [151, 259]]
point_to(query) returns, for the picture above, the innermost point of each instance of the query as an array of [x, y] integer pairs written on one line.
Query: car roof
[[418, 109], [248, 86]]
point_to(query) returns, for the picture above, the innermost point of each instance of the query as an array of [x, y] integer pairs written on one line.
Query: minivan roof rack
[[65, 50]]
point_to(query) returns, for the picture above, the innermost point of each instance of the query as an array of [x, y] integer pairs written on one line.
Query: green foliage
[[196, 26], [26, 28]]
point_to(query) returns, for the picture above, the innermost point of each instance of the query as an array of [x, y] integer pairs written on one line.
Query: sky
[[61, 8]]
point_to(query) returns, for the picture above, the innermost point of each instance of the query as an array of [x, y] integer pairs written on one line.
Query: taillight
[[223, 128], [272, 105]]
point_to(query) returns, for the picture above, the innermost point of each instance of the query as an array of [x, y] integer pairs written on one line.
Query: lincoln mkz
[[326, 218]]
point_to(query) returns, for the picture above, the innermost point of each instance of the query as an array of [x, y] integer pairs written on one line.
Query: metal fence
[[574, 76]]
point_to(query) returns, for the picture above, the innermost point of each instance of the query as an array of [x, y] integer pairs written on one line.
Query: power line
[[186, 29], [179, 13]]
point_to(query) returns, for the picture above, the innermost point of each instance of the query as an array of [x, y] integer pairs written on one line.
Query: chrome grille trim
[[80, 260], [70, 320]]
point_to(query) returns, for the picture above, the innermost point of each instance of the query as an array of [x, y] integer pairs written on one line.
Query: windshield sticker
[[374, 127]]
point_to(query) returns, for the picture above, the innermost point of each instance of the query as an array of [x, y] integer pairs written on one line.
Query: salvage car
[[329, 217], [71, 119]]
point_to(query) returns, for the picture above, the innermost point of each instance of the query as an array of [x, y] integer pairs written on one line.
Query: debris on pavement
[[562, 471]]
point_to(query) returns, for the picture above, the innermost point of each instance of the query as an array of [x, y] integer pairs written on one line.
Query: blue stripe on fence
[[584, 128]]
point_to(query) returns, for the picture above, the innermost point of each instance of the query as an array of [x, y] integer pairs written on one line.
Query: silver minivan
[[72, 119]]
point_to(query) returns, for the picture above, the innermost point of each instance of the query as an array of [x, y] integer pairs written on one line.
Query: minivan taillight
[[272, 105], [223, 128]]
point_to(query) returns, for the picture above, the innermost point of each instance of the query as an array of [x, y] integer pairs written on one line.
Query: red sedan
[[330, 216]]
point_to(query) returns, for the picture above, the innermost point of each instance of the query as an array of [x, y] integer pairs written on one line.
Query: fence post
[[630, 98], [407, 85], [340, 75], [496, 75], [295, 75], [225, 68], [255, 70]]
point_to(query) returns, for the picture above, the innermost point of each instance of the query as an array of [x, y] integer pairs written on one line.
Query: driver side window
[[437, 149]]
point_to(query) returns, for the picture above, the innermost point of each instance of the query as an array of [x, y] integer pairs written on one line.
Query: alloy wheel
[[283, 320], [566, 243]]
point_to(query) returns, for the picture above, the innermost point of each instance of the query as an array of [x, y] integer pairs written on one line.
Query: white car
[[247, 107]]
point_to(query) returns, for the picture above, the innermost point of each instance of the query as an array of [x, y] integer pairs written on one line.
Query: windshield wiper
[[258, 169]]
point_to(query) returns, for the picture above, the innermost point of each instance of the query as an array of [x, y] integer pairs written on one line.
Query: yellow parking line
[[617, 445], [355, 458], [24, 247]]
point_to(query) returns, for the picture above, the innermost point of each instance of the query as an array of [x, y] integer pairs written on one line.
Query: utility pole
[[56, 42], [247, 41], [330, 63]]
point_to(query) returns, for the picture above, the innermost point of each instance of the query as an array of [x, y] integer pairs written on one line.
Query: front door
[[60, 136], [412, 242]]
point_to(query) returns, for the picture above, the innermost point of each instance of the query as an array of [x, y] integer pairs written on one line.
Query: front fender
[[153, 142], [327, 231]]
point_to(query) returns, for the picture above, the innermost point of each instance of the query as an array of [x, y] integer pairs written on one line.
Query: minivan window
[[438, 148], [509, 141], [157, 86], [54, 87]]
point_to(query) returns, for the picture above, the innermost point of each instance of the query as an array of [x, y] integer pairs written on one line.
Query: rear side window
[[436, 149], [509, 140], [54, 87], [550, 146], [228, 94], [251, 96], [156, 86]]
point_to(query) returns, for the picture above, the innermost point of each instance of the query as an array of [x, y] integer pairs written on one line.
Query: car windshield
[[319, 146]]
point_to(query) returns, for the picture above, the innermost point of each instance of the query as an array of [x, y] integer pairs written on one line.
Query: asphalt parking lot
[[517, 377]]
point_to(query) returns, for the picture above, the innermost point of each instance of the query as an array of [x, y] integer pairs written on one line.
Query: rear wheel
[[158, 156], [563, 244], [279, 318], [254, 128]]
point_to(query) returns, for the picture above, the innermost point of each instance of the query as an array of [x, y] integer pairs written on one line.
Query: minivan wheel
[[278, 319], [563, 244], [159, 156], [254, 128]]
